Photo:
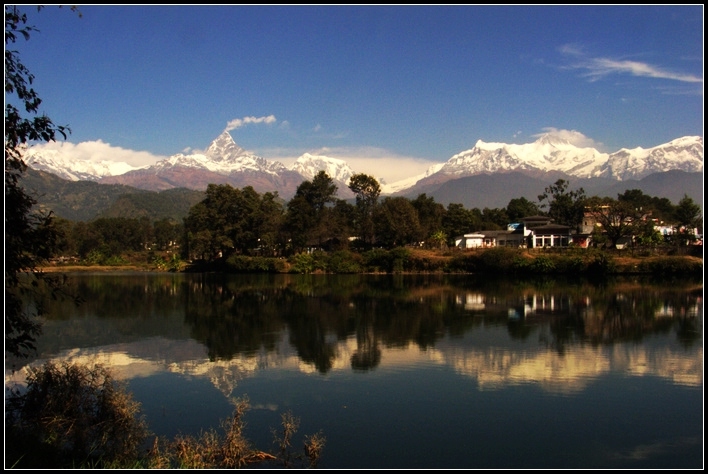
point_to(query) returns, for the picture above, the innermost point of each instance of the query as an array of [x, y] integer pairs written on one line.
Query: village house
[[529, 232]]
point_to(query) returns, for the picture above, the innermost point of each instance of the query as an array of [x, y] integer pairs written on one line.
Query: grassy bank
[[504, 261]]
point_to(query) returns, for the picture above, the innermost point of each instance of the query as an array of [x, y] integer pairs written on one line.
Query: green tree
[[269, 221], [367, 190], [458, 221], [85, 238], [65, 244], [647, 235], [494, 219], [656, 208], [338, 222], [121, 234], [430, 216], [322, 191], [662, 209], [636, 198], [521, 207], [564, 207], [617, 218], [307, 216], [299, 220], [167, 232], [31, 238], [687, 217], [230, 220], [396, 222], [438, 239]]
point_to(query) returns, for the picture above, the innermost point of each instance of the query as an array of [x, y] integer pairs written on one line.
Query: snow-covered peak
[[57, 162], [482, 145], [551, 152], [684, 154], [223, 148], [223, 156], [548, 153], [309, 165], [406, 183], [552, 139]]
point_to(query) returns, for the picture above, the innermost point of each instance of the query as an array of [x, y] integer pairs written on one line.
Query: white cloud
[[238, 123], [598, 67], [377, 162], [571, 136], [98, 151]]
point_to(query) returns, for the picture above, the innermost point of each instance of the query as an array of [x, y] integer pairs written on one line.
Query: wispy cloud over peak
[[571, 136], [240, 122]]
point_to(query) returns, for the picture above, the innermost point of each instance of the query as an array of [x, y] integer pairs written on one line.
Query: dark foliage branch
[[30, 235]]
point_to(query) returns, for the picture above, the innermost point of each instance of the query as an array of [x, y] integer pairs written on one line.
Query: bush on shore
[[77, 416]]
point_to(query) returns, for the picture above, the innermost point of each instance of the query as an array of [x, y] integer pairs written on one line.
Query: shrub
[[302, 263], [344, 261], [390, 261], [521, 264], [80, 413], [498, 260], [400, 259], [672, 265], [542, 265], [601, 265], [376, 260], [246, 264], [573, 265]]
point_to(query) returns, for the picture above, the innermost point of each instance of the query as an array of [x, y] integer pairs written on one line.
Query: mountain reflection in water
[[558, 337]]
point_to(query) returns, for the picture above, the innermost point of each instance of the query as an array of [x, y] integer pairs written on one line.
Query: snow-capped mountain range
[[550, 153], [225, 162]]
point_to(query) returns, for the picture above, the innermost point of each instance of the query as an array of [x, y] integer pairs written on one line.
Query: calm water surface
[[406, 371]]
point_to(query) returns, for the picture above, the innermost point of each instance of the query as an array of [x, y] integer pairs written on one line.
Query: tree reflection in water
[[372, 358], [242, 315]]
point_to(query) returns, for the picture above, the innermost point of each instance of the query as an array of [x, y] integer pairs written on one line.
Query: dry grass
[[231, 450], [74, 415]]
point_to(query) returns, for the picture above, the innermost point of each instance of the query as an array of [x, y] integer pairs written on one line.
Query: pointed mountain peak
[[225, 136], [224, 147]]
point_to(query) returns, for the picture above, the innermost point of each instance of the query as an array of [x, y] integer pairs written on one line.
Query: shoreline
[[96, 268], [421, 262]]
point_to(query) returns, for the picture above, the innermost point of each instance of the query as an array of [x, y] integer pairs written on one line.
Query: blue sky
[[395, 87]]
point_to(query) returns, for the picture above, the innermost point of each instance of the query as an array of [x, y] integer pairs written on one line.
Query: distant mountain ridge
[[497, 189], [549, 154], [493, 169]]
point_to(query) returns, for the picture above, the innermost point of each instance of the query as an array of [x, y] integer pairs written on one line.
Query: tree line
[[240, 221]]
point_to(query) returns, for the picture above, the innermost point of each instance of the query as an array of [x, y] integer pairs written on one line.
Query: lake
[[405, 371]]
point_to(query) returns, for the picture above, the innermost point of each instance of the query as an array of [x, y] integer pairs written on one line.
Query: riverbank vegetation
[[496, 261], [76, 416]]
